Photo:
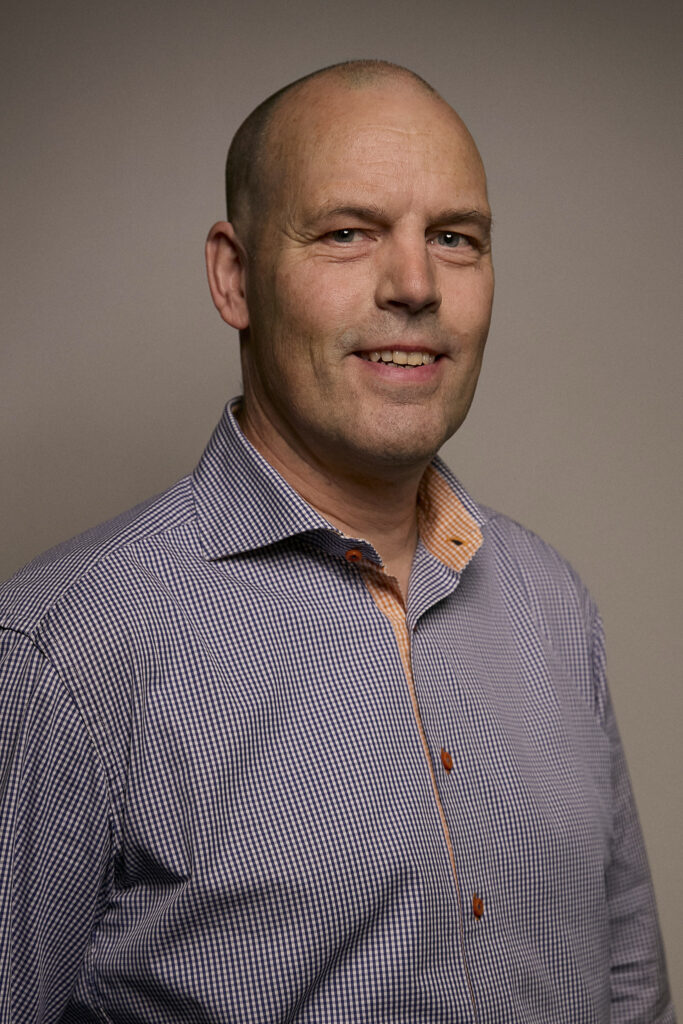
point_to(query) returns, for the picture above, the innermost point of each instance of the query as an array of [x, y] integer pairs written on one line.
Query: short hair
[[245, 168]]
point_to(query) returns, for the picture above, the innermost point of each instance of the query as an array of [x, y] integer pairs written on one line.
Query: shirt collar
[[243, 503], [449, 522]]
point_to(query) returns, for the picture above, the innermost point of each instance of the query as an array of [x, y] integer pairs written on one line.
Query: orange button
[[354, 555], [446, 760], [477, 906]]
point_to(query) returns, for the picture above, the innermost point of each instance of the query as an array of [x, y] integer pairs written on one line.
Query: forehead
[[385, 140]]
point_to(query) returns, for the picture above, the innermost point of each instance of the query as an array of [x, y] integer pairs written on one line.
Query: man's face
[[370, 283]]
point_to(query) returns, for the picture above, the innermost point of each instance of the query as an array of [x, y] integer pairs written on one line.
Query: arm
[[54, 836], [639, 986]]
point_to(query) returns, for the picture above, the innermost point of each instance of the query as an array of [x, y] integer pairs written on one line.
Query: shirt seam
[[97, 759], [593, 621], [84, 574], [38, 644]]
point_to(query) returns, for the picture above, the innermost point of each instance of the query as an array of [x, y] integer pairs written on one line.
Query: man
[[313, 736]]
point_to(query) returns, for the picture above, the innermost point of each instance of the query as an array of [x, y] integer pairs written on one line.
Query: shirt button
[[446, 760], [477, 906], [353, 555]]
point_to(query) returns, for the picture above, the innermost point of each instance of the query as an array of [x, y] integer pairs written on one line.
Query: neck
[[378, 508]]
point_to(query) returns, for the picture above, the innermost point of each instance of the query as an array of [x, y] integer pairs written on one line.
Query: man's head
[[252, 160], [360, 225]]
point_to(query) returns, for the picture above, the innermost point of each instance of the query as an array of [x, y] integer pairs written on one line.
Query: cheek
[[484, 293], [324, 294], [469, 306]]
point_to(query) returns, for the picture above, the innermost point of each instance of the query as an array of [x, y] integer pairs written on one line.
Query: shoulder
[[534, 559], [518, 556], [101, 559], [536, 582], [533, 575]]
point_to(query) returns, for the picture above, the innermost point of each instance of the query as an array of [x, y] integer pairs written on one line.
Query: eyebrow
[[482, 220], [371, 211]]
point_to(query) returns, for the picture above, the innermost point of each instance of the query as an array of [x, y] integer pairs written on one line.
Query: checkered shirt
[[240, 781]]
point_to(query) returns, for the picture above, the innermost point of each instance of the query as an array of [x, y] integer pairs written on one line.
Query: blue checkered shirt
[[217, 805]]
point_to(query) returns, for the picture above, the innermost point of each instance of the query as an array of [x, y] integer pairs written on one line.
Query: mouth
[[399, 357]]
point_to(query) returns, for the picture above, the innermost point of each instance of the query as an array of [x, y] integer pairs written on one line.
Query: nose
[[407, 277]]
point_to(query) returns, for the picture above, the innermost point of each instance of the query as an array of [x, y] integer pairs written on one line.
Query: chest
[[277, 783]]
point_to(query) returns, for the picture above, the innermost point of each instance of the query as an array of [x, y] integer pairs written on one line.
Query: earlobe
[[226, 270]]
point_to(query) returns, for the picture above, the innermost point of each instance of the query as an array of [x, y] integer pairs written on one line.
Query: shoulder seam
[[109, 548], [37, 646]]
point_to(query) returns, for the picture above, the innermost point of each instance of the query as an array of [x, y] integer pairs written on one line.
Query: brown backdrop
[[114, 365]]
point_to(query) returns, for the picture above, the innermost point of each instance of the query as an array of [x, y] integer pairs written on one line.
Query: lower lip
[[400, 374]]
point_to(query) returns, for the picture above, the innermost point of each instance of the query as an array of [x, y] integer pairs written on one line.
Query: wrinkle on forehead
[[330, 116], [388, 147]]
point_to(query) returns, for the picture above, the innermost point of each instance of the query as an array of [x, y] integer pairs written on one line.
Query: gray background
[[114, 365]]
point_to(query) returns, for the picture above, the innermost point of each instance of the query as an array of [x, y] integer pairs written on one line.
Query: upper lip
[[389, 346]]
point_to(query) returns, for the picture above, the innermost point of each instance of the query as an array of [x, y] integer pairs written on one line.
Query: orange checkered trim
[[450, 533], [446, 528]]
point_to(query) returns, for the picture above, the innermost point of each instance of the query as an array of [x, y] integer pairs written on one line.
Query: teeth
[[399, 357]]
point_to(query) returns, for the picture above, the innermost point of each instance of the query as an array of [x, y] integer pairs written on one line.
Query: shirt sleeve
[[54, 836], [639, 986]]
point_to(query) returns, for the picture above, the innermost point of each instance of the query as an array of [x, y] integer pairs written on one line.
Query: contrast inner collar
[[447, 529]]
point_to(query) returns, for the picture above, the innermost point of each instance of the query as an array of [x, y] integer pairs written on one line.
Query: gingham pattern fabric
[[225, 799]]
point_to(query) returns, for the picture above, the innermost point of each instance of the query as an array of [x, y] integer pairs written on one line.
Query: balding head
[[360, 232], [258, 152]]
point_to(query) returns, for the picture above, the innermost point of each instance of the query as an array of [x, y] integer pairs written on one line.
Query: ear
[[226, 269]]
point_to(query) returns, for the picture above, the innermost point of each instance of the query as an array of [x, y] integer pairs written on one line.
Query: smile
[[398, 357]]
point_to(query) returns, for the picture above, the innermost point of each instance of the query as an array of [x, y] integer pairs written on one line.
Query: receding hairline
[[245, 169]]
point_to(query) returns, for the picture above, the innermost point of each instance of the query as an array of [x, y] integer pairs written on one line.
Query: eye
[[343, 235], [452, 239]]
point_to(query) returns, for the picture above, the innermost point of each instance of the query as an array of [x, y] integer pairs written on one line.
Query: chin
[[406, 439], [399, 449]]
